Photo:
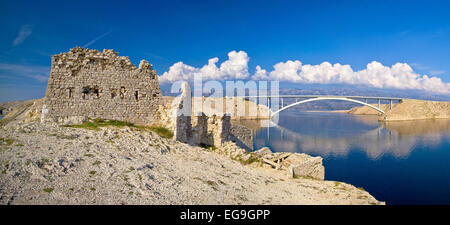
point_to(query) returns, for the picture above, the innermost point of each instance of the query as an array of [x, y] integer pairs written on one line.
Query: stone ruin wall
[[199, 129], [215, 130], [94, 84], [210, 130], [242, 136]]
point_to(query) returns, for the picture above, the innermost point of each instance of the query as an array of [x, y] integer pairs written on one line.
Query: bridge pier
[[390, 103], [379, 101]]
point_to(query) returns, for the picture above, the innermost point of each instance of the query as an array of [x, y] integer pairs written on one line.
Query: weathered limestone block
[[296, 164], [145, 66], [74, 120], [263, 152], [305, 165], [230, 149], [34, 112]]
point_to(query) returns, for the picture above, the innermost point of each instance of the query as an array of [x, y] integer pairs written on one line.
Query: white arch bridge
[[300, 99]]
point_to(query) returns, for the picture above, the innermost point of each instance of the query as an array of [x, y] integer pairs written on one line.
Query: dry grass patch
[[96, 124]]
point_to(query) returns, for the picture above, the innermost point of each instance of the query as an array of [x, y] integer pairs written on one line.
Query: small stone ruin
[[199, 129]]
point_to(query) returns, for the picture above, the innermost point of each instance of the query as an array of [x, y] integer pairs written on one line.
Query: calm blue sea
[[397, 162]]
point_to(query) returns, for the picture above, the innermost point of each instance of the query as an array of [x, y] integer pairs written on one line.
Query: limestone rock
[[60, 165], [144, 65], [74, 120], [263, 152], [305, 165]]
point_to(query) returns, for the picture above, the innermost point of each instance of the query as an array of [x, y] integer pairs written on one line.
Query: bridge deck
[[323, 96]]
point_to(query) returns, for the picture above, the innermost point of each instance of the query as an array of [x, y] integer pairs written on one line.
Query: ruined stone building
[[91, 84], [94, 84], [199, 129]]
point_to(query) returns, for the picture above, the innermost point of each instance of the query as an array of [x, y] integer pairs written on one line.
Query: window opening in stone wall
[[136, 95], [122, 92], [85, 92], [70, 92], [96, 92], [113, 93]]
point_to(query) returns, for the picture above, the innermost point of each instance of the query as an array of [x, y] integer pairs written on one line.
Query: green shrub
[[97, 123], [162, 131], [8, 141], [48, 190]]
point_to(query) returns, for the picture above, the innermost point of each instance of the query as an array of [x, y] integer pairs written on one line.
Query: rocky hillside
[[52, 164], [366, 110], [6, 107], [408, 109]]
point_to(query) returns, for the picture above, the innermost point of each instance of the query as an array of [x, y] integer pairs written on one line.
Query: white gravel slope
[[45, 164]]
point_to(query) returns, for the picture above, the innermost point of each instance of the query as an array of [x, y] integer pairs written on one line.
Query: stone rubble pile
[[295, 164]]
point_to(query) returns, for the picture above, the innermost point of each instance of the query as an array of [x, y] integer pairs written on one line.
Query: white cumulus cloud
[[398, 76], [236, 67]]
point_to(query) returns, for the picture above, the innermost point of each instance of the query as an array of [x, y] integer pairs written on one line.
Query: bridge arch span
[[326, 98]]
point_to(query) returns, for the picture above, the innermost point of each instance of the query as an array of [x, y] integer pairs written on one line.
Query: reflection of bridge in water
[[396, 138], [374, 142], [300, 99]]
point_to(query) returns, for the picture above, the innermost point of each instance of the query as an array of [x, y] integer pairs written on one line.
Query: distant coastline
[[408, 109]]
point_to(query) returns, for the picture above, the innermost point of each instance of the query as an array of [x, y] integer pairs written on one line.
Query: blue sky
[[353, 33]]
